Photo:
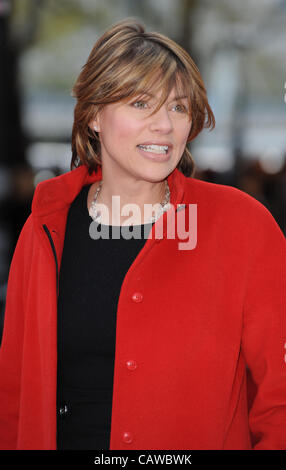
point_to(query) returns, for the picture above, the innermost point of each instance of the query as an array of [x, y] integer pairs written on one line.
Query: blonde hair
[[125, 62]]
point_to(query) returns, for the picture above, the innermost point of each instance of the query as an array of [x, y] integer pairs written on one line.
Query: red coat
[[198, 318]]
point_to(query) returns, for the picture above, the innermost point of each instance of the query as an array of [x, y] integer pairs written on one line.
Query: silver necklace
[[164, 205]]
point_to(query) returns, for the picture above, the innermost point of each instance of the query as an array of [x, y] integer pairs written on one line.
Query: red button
[[137, 297], [127, 437], [131, 365]]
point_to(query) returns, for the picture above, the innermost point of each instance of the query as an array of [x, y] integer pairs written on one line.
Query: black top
[[91, 275]]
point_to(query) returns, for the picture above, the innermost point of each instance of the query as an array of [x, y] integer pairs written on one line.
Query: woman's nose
[[161, 121]]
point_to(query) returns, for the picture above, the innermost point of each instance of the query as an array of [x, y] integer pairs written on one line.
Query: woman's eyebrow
[[178, 97]]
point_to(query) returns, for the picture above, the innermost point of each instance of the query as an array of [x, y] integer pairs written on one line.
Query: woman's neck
[[140, 197]]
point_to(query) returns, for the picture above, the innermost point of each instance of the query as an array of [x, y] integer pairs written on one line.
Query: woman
[[114, 341]]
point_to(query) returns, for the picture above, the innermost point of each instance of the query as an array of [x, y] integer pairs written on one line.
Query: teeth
[[154, 148]]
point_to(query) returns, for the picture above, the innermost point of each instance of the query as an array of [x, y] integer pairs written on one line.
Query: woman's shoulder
[[221, 196], [231, 205], [206, 189]]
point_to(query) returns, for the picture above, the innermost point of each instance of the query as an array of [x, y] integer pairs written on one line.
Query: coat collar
[[59, 192]]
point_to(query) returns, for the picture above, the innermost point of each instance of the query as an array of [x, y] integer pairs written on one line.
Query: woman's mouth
[[154, 148], [155, 152]]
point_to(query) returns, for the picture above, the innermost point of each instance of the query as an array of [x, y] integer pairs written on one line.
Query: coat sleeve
[[264, 331], [12, 338]]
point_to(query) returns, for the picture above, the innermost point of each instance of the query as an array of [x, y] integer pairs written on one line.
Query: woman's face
[[139, 145]]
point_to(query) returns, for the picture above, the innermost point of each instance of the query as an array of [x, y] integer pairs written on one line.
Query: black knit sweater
[[91, 275]]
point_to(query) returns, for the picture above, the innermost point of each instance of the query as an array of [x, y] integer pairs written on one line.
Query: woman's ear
[[94, 125]]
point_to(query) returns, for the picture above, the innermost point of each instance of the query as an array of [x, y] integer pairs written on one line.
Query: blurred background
[[239, 47]]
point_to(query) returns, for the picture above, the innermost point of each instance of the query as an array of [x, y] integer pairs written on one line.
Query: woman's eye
[[180, 108], [140, 104]]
